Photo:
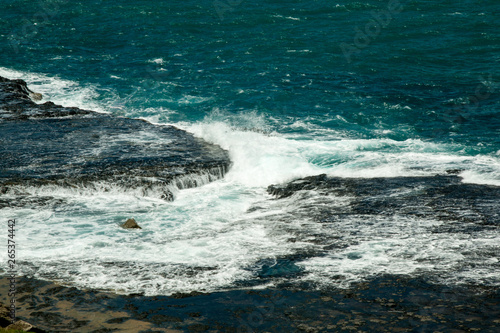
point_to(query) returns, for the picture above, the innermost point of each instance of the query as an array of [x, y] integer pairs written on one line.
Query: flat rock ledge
[[48, 144], [391, 303]]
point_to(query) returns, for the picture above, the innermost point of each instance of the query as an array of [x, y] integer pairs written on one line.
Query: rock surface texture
[[47, 144]]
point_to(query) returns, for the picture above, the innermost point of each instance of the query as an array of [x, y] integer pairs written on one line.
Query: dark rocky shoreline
[[47, 144], [385, 304]]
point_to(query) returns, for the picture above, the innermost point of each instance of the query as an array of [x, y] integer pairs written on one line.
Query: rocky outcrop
[[18, 325], [130, 224], [443, 197], [47, 144], [16, 102]]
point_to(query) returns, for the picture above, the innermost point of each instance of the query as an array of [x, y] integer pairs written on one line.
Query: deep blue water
[[282, 59], [290, 88]]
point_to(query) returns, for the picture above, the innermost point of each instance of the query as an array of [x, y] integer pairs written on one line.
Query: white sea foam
[[261, 159], [484, 170], [398, 245], [60, 91], [195, 242], [158, 61], [258, 159]]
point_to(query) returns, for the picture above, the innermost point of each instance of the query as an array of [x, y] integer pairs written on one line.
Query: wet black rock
[[5, 319], [47, 144], [186, 295], [16, 102], [387, 303], [332, 214], [308, 183], [440, 197]]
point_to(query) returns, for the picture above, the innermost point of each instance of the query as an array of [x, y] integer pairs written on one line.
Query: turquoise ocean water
[[290, 89]]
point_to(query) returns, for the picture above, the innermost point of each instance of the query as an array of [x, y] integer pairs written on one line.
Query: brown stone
[[36, 96], [131, 224], [20, 325]]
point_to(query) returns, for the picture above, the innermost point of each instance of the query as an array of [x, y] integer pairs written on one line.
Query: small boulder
[[36, 96], [131, 224], [20, 325]]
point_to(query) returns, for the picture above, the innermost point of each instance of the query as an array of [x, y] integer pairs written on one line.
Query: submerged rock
[[47, 144], [36, 96], [354, 219], [130, 224], [442, 197]]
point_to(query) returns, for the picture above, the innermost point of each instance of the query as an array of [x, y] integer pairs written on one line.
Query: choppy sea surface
[[291, 89]]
